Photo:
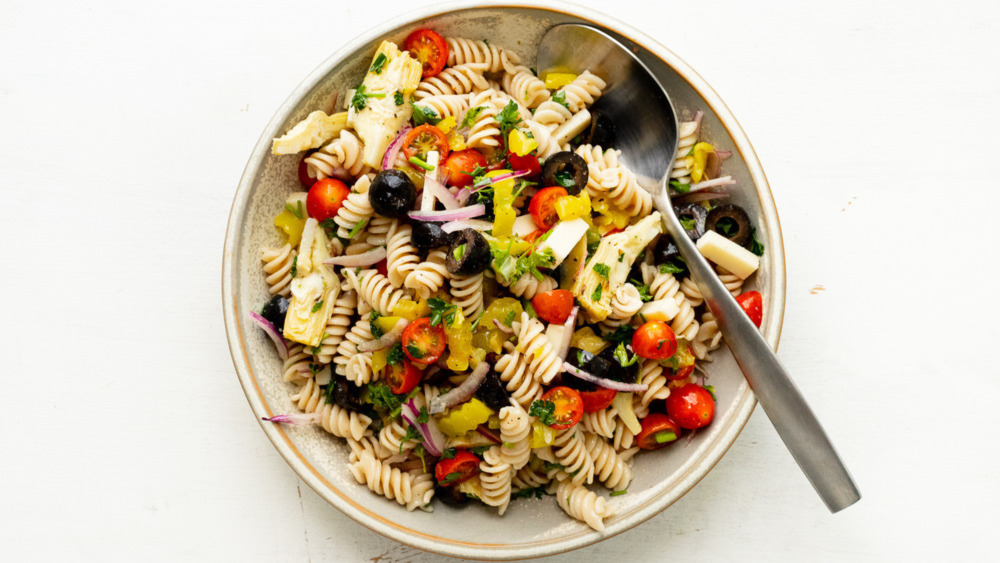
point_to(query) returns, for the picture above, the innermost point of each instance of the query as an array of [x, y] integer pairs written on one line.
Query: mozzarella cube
[[660, 310], [726, 253]]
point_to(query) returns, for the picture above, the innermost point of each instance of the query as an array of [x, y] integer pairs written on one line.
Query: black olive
[[601, 131], [274, 311], [344, 395], [392, 193], [429, 235], [666, 252], [566, 170], [450, 495], [694, 215], [626, 374], [731, 222], [468, 254], [492, 393], [596, 365]]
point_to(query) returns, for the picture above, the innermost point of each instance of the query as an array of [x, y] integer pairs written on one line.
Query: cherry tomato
[[325, 198], [462, 467], [654, 340], [683, 373], [383, 267], [753, 304], [460, 165], [553, 306], [424, 343], [692, 406], [421, 140], [428, 47], [658, 431], [304, 178], [598, 399], [527, 162], [533, 236], [568, 407], [402, 377], [543, 206]]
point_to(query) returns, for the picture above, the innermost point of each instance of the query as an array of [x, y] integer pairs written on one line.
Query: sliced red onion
[[434, 440], [433, 187], [295, 419], [486, 182], [461, 393], [698, 197], [463, 195], [697, 119], [723, 181], [393, 150], [369, 258], [450, 214], [474, 224], [568, 328], [607, 383], [503, 327], [485, 432], [272, 331], [386, 340]]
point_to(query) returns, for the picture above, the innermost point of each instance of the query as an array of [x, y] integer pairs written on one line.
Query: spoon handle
[[782, 401]]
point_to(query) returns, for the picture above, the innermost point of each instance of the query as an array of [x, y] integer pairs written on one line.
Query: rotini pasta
[[464, 51], [527, 286], [376, 290], [356, 209], [583, 504], [427, 277], [402, 255], [342, 155], [411, 491], [467, 293], [525, 87], [613, 470], [278, 267], [543, 363], [513, 369], [495, 479], [460, 79], [571, 453], [337, 326], [515, 433]]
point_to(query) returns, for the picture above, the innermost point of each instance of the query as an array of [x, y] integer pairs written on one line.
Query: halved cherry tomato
[[462, 467], [658, 431], [460, 165], [683, 373], [568, 407], [533, 236], [304, 178], [402, 377], [553, 306], [692, 406], [654, 340], [383, 267], [543, 206], [598, 399], [325, 198], [753, 305], [424, 139], [527, 162], [428, 47], [424, 343]]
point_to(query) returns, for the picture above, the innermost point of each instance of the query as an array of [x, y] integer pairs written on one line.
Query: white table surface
[[126, 126]]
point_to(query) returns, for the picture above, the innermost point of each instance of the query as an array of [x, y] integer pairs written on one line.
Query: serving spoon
[[646, 133]]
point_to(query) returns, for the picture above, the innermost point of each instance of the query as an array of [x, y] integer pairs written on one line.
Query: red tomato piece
[[462, 467], [424, 139], [460, 165], [658, 431], [543, 206], [383, 267], [402, 377], [527, 162], [568, 407], [598, 399], [654, 340], [553, 306], [325, 198], [424, 343], [304, 178], [683, 373], [691, 406], [753, 305], [428, 47], [533, 236]]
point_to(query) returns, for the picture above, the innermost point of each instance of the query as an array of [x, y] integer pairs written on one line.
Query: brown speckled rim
[[696, 469]]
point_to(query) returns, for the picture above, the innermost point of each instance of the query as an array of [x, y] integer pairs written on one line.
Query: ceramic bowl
[[530, 527]]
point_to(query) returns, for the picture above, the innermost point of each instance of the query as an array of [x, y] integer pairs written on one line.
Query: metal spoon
[[646, 133]]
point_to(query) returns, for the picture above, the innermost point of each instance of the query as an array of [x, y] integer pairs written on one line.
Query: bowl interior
[[531, 527]]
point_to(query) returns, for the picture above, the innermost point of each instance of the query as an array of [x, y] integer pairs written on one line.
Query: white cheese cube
[[726, 253], [524, 226], [660, 310], [564, 237]]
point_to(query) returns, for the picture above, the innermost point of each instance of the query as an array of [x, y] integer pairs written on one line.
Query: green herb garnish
[[564, 179], [395, 355], [398, 98], [423, 115], [360, 99], [679, 187], [454, 475], [617, 493], [414, 351], [602, 270], [420, 163], [544, 411], [441, 312], [317, 306], [411, 434], [596, 295], [644, 293], [560, 98], [727, 227], [621, 334], [376, 330], [470, 116], [757, 248], [358, 228], [379, 63], [297, 210], [295, 265]]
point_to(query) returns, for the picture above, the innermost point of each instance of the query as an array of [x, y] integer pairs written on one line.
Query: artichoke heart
[[314, 290], [616, 253], [314, 131]]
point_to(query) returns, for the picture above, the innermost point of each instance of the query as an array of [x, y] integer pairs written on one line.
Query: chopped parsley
[[414, 351], [449, 453], [644, 293], [421, 453], [317, 306], [479, 450], [596, 295], [423, 115], [441, 312], [727, 227], [537, 492], [329, 225], [508, 118], [379, 63], [602, 270], [470, 116], [377, 331], [544, 411], [358, 228], [395, 354], [621, 334], [398, 98], [679, 187], [560, 98], [617, 493], [711, 391], [297, 210], [424, 417], [510, 268], [687, 222], [360, 99], [295, 265], [564, 179], [621, 356], [383, 399], [411, 434], [449, 478], [671, 268], [756, 247]]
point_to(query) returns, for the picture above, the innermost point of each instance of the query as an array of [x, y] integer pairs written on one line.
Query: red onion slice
[[485, 432], [369, 258], [434, 440], [393, 150], [503, 327], [463, 195], [433, 187], [567, 335], [295, 419], [450, 214], [715, 182], [461, 393], [607, 383], [475, 224], [387, 339], [269, 328]]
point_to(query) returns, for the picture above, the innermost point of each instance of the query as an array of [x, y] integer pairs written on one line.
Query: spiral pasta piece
[[278, 267], [624, 438], [609, 467], [664, 286], [411, 491], [547, 145], [513, 370], [378, 230], [367, 443], [356, 209], [375, 289], [732, 282], [296, 367], [337, 326], [515, 433], [467, 294], [601, 423], [552, 114], [485, 129], [525, 87], [599, 161], [348, 349], [625, 303], [570, 451], [583, 91], [529, 477], [495, 479], [342, 155], [402, 255], [527, 286], [427, 277], [531, 341], [359, 369], [651, 374], [446, 105], [687, 137], [624, 190], [708, 339], [495, 59], [583, 504], [334, 419], [459, 79]]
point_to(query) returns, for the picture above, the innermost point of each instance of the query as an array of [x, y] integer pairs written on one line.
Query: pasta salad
[[475, 292]]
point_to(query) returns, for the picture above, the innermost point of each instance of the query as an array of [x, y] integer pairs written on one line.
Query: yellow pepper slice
[[291, 225], [586, 339], [503, 205], [519, 143], [571, 207], [555, 80], [460, 349], [541, 435], [379, 360], [464, 418], [411, 310], [696, 162], [386, 323], [447, 124]]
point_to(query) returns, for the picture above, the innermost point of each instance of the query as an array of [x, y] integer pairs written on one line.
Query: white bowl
[[533, 527]]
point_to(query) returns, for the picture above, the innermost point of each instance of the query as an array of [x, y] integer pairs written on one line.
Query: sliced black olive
[[626, 374], [692, 218], [492, 393], [566, 170], [468, 254], [596, 365], [601, 131], [345, 397], [666, 252], [731, 222], [429, 235], [392, 193], [450, 495], [274, 311]]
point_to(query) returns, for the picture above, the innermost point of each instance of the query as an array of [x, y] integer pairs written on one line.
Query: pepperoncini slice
[[572, 207], [464, 418], [609, 216], [411, 310], [541, 435], [459, 335], [291, 225], [519, 143], [586, 339], [488, 336], [379, 360], [696, 162], [556, 80], [447, 124], [386, 323], [503, 204]]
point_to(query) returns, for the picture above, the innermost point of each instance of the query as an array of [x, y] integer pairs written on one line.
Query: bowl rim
[[712, 453]]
